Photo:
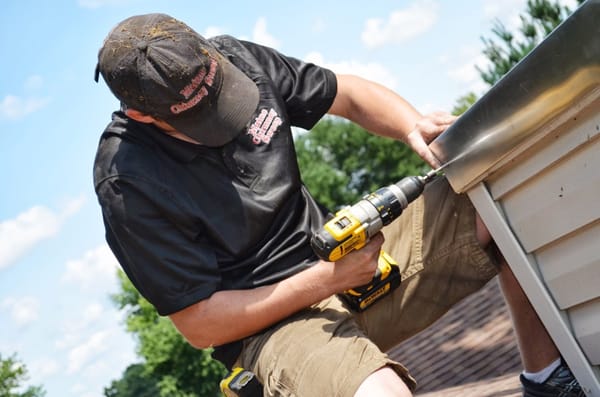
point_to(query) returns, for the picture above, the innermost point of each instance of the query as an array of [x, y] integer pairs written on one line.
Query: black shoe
[[561, 383]]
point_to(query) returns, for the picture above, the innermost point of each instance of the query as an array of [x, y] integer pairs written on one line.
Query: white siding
[[543, 208]]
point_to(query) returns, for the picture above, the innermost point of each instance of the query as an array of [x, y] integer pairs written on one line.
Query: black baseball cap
[[158, 65]]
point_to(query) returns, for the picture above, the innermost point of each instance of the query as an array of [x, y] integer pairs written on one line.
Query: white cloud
[[92, 312], [15, 108], [38, 223], [88, 351], [83, 322], [371, 71], [71, 207], [96, 367], [261, 36], [503, 10], [44, 367], [100, 3], [23, 310], [78, 388], [34, 82], [95, 347], [11, 344], [212, 31], [19, 234], [508, 11], [571, 4], [465, 72], [318, 25], [96, 268], [401, 25]]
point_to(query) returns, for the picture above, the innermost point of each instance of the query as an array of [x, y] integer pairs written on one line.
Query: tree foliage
[[341, 161], [13, 375], [136, 382], [463, 103], [506, 48]]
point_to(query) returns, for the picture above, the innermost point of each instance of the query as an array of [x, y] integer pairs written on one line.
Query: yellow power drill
[[353, 226]]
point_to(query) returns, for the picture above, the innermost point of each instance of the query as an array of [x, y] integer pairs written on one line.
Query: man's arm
[[383, 112], [231, 315]]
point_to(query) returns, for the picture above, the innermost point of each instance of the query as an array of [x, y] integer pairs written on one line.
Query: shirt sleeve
[[308, 90], [171, 269]]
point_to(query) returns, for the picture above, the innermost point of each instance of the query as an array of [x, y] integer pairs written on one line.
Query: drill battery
[[386, 279]]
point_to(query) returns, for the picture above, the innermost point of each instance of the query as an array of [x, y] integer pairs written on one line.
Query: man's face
[[161, 124]]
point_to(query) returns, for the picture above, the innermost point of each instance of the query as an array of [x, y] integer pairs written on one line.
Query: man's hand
[[356, 268], [383, 112], [425, 131]]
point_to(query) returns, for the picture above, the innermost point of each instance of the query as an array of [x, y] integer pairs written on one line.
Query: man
[[205, 210]]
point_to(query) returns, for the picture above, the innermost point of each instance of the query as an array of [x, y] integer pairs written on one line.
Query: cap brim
[[218, 123]]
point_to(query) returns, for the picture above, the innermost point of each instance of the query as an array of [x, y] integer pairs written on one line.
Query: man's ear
[[139, 116]]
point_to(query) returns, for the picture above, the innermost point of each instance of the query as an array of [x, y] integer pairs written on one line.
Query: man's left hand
[[425, 131]]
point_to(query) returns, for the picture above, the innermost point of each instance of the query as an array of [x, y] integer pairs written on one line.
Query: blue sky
[[56, 272]]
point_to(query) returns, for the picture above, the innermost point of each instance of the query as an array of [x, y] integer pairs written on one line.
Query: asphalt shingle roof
[[470, 351]]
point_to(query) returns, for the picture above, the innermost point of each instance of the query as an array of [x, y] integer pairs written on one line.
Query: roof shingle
[[470, 351]]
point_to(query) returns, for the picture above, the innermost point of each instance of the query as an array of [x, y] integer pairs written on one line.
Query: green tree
[[506, 49], [463, 103], [13, 375], [136, 382], [169, 364], [340, 162]]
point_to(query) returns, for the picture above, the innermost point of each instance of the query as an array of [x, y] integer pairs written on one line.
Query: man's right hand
[[358, 267]]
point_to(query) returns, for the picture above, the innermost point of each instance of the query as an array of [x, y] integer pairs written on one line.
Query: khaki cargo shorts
[[327, 350]]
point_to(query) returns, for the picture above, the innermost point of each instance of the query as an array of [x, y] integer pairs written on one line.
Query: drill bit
[[431, 175]]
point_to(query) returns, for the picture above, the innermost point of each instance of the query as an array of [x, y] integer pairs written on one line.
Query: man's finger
[[421, 148]]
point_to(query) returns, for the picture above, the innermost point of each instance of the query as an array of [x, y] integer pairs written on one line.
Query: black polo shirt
[[186, 220]]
